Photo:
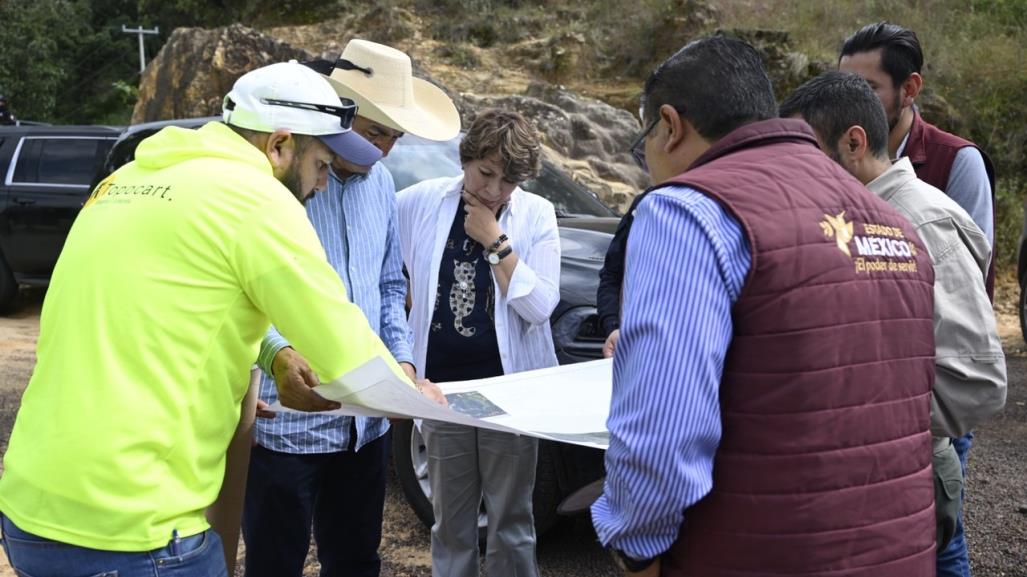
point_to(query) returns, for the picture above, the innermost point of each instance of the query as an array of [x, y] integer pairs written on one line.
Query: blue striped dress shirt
[[356, 222], [687, 260]]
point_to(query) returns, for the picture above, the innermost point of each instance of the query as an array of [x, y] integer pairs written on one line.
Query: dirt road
[[997, 484]]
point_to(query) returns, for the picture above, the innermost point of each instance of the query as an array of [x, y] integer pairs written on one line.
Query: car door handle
[[24, 201]]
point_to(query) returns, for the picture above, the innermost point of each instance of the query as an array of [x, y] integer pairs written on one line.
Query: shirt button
[[463, 285]]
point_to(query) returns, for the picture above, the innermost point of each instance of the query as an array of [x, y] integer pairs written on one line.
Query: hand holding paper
[[296, 381]]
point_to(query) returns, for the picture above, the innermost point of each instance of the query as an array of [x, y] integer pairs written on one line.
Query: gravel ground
[[996, 512]]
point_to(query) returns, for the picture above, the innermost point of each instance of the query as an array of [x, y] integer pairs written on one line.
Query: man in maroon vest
[[890, 58], [771, 401]]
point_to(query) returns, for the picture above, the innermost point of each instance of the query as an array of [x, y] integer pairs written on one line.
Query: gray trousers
[[466, 464]]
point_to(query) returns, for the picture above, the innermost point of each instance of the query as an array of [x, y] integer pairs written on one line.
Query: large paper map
[[569, 403]]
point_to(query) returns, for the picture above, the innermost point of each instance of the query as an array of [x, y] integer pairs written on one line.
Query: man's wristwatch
[[495, 257], [624, 562]]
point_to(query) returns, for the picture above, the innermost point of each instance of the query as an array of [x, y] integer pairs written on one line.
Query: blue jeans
[[954, 561], [33, 556]]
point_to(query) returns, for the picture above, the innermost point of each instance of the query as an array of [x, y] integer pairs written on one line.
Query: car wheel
[[411, 461], [1023, 306], [8, 287]]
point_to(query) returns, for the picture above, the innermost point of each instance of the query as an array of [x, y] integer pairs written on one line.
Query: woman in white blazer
[[484, 262]]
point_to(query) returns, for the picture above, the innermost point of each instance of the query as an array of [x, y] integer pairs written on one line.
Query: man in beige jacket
[[970, 381]]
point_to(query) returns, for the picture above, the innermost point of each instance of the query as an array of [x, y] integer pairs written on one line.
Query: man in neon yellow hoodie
[[170, 277]]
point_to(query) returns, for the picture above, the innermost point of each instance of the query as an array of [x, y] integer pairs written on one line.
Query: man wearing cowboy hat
[[329, 471]]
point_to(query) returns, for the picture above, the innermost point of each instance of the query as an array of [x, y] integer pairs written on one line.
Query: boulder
[[196, 67], [588, 138]]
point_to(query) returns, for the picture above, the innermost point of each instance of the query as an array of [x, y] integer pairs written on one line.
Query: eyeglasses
[[638, 147], [346, 112]]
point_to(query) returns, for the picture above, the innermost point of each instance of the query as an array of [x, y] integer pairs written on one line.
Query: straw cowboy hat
[[380, 80]]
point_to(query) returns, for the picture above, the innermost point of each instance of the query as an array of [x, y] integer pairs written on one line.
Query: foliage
[[210, 14], [1011, 14], [469, 7], [1009, 218], [28, 73], [459, 55], [54, 65], [974, 53], [634, 46], [68, 61], [484, 23]]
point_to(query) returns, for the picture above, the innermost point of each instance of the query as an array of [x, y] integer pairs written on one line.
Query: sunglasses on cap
[[346, 112]]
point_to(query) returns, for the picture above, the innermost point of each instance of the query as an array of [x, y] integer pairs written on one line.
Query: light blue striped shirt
[[356, 222], [687, 260]]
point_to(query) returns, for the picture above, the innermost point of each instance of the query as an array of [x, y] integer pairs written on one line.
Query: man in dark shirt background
[[611, 276]]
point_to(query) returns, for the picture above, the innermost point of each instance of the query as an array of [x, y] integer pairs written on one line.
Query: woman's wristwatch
[[495, 257], [492, 253]]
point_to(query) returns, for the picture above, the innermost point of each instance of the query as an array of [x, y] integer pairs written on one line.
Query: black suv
[[46, 173]]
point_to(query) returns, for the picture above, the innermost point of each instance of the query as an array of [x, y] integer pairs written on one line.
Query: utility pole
[[142, 51]]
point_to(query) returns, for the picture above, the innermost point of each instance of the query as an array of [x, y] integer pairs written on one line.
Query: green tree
[[61, 59], [30, 68], [68, 61]]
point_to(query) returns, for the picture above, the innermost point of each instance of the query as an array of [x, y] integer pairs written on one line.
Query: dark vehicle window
[[125, 152], [415, 159], [59, 160], [567, 197]]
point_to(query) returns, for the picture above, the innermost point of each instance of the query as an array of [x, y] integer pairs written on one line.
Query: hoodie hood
[[174, 145]]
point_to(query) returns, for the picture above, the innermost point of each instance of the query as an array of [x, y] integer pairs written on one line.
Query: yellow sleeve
[[282, 267]]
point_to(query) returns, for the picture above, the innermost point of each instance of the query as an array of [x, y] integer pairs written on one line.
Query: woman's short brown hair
[[511, 136]]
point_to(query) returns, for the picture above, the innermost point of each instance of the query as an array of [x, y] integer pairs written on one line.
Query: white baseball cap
[[290, 96]]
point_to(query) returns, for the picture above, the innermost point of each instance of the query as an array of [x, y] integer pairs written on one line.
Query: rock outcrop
[[590, 139], [189, 76]]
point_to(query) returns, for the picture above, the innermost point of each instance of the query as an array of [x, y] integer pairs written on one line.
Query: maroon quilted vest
[[824, 466], [931, 150]]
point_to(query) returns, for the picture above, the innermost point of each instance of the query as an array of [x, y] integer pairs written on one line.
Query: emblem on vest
[[877, 240], [841, 230]]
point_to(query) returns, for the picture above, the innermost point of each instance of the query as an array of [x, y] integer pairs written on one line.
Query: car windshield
[[415, 159]]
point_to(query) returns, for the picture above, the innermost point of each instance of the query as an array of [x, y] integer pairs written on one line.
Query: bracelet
[[499, 241]]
